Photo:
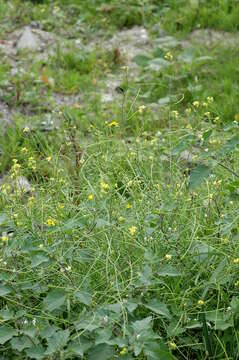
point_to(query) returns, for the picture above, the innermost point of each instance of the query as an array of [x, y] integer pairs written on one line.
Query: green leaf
[[79, 347], [5, 290], [101, 352], [235, 305], [83, 297], [6, 314], [141, 60], [198, 175], [36, 352], [54, 300], [158, 307], [141, 325], [169, 270], [57, 341], [157, 351], [38, 257], [6, 333], [20, 343]]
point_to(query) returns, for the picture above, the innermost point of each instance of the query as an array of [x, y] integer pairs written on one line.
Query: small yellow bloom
[[104, 186], [41, 246], [188, 111], [172, 345], [90, 197], [24, 150], [5, 238], [200, 302], [48, 158], [26, 129], [204, 104], [236, 261], [168, 257], [175, 114], [141, 108], [132, 230], [51, 222], [196, 104], [128, 206], [207, 114], [113, 124], [121, 219], [210, 99], [123, 351], [60, 206], [168, 56]]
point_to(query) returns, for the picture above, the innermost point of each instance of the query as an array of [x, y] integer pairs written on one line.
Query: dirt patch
[[6, 115], [210, 37]]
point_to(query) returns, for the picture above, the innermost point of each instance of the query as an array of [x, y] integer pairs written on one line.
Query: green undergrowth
[[119, 221]]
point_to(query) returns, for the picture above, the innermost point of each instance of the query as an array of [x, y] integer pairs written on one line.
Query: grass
[[124, 244]]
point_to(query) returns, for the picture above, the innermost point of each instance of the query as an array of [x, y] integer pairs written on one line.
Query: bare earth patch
[[209, 37]]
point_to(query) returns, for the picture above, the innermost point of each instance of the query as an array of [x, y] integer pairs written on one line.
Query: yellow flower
[[141, 108], [168, 56], [207, 114], [236, 261], [204, 104], [51, 222], [24, 150], [41, 246], [90, 197], [60, 206], [26, 129], [128, 206], [175, 113], [200, 302], [5, 238], [123, 351], [172, 345], [168, 257], [188, 111], [48, 158], [210, 99], [113, 124], [132, 230], [196, 104], [104, 186], [121, 219]]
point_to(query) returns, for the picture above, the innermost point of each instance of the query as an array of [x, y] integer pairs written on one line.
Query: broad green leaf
[[235, 305], [141, 325], [169, 270], [80, 346], [158, 307], [38, 257], [103, 335], [157, 351], [218, 276], [83, 297], [198, 175], [36, 352], [101, 352], [48, 331], [5, 290], [20, 343], [230, 145], [6, 314], [57, 341], [6, 333], [54, 300], [141, 60]]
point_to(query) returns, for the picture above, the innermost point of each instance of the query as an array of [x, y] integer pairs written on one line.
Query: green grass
[[126, 244]]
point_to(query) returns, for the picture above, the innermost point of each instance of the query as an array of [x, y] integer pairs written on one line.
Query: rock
[[22, 185], [28, 40], [209, 37], [187, 156]]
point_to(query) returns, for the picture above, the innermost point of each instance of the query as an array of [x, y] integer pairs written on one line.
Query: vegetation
[[124, 243]]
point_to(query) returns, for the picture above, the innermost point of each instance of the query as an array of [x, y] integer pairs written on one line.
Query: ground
[[119, 180]]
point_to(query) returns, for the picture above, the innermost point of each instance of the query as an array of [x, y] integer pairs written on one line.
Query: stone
[[28, 40]]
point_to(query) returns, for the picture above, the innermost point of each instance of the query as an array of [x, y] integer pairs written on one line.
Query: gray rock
[[22, 185], [28, 40]]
